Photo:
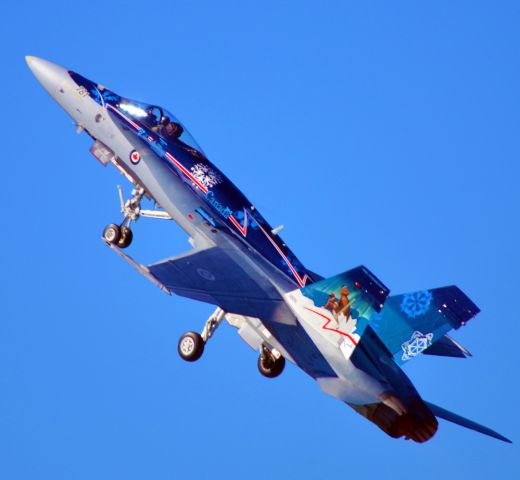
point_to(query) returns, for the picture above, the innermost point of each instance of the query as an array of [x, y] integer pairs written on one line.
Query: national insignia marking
[[206, 274], [135, 157]]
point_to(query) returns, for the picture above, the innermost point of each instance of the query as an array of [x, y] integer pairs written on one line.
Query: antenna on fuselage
[[277, 230]]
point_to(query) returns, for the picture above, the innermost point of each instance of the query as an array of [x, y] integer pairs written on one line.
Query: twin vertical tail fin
[[344, 304], [407, 325], [412, 323]]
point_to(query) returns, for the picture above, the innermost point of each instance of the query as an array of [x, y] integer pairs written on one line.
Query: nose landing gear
[[118, 235], [121, 235], [126, 237], [112, 233]]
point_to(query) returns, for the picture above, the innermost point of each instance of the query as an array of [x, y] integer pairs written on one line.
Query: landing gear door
[[102, 153]]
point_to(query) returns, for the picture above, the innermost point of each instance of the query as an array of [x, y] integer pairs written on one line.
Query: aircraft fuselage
[[155, 151]]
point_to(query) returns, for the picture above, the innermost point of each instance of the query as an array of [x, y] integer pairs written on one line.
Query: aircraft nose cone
[[50, 75]]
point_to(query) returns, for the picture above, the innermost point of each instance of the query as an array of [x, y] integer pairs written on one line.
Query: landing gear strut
[[191, 344], [270, 362], [121, 235]]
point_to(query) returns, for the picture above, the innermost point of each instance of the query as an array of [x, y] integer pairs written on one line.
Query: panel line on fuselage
[[301, 281]]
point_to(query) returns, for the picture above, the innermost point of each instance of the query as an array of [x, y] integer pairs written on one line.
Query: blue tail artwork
[[411, 323]]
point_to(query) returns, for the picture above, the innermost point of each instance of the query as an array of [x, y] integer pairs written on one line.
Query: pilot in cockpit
[[157, 120], [168, 129], [160, 123], [152, 119]]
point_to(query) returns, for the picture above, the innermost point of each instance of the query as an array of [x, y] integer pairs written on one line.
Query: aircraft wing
[[213, 276]]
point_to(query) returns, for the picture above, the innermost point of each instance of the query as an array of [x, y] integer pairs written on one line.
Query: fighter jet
[[347, 332]]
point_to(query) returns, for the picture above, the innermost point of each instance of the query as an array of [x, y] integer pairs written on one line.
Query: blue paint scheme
[[360, 281], [372, 356], [223, 198], [447, 347], [391, 333], [239, 265], [297, 341], [206, 216], [407, 320], [359, 289]]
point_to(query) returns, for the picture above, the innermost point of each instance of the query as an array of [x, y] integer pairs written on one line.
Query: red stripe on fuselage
[[185, 171], [326, 327], [242, 229], [301, 281]]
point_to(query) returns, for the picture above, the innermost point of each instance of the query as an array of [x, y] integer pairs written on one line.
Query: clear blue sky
[[380, 133]]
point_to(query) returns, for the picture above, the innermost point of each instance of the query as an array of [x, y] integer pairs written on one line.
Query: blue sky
[[380, 133]]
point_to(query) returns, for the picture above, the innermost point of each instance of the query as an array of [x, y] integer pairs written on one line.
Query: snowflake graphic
[[206, 175], [417, 344], [417, 303]]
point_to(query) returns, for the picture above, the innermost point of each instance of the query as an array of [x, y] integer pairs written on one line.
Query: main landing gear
[[191, 344], [270, 362]]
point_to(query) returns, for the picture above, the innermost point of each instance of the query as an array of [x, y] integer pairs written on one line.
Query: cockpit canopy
[[156, 118], [160, 121]]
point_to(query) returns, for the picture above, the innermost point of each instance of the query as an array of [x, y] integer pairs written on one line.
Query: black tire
[[191, 346], [270, 367], [112, 233], [125, 238]]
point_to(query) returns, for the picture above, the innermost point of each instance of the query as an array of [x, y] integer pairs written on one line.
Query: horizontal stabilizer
[[464, 422], [447, 347]]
